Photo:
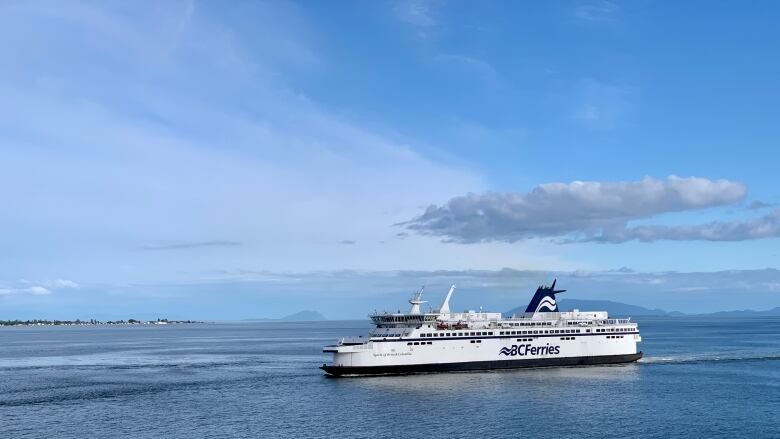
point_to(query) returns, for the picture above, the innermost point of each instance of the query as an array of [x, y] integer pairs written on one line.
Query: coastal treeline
[[79, 322]]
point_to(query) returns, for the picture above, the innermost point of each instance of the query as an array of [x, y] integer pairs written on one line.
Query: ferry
[[444, 341]]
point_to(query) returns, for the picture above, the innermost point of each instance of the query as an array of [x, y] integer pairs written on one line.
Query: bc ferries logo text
[[526, 349]]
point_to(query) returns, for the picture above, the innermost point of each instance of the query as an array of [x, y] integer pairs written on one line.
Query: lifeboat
[[459, 325]]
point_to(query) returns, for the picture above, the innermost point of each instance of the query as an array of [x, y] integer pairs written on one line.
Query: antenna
[[416, 301]]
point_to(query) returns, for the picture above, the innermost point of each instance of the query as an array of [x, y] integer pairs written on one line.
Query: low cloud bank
[[594, 212]]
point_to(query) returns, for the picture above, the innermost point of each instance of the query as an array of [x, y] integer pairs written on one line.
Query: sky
[[201, 160]]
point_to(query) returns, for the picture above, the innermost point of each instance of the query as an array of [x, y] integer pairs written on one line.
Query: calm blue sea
[[701, 377]]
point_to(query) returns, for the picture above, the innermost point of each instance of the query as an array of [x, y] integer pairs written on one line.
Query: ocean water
[[701, 377]]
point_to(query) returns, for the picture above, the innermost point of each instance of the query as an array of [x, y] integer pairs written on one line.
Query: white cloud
[[64, 283], [38, 290], [130, 145], [191, 245], [593, 209], [767, 226], [336, 291], [26, 287]]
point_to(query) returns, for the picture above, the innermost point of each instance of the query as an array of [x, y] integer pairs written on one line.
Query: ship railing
[[352, 341], [385, 318], [537, 315]]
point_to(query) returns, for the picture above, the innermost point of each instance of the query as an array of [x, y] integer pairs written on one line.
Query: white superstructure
[[442, 340]]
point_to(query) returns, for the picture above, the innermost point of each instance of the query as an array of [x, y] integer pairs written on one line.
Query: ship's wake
[[719, 357]]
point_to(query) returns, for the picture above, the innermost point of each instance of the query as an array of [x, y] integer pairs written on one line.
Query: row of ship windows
[[536, 331], [551, 324], [551, 331], [417, 343], [456, 334], [469, 334], [480, 333]]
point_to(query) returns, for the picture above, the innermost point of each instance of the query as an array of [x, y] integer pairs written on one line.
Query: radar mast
[[416, 301]]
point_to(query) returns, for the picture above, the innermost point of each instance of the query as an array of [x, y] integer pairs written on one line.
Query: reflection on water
[[530, 380]]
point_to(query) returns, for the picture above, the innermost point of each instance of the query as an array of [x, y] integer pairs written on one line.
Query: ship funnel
[[544, 299], [445, 306]]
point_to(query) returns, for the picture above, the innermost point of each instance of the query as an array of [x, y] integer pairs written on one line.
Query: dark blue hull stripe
[[479, 365]]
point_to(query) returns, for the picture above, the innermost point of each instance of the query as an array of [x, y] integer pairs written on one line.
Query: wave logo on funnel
[[544, 299], [549, 303]]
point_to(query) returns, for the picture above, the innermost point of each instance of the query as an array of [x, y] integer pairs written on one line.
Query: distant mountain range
[[774, 312], [300, 316], [305, 316], [616, 309], [624, 309]]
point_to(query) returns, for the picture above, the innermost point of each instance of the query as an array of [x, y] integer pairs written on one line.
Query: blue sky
[[208, 161]]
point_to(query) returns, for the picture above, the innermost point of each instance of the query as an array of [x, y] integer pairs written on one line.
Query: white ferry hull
[[484, 352], [395, 369], [443, 341]]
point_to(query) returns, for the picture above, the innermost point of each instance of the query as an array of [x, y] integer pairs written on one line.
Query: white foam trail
[[708, 357]]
